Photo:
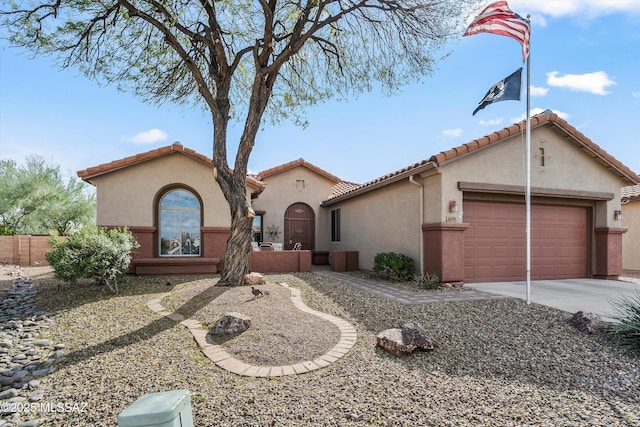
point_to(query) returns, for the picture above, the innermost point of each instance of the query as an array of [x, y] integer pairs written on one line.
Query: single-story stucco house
[[631, 221], [460, 213], [170, 201]]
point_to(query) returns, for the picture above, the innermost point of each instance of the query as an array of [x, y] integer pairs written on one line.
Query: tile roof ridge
[[293, 164], [546, 116], [374, 183], [130, 160], [176, 147]]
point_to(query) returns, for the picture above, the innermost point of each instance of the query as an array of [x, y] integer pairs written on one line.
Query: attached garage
[[495, 242]]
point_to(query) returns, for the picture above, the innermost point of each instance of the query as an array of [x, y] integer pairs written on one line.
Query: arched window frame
[[188, 237]]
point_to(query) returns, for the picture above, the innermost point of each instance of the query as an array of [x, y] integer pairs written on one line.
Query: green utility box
[[165, 409]]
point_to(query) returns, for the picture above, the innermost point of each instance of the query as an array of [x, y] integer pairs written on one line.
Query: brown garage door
[[495, 242]]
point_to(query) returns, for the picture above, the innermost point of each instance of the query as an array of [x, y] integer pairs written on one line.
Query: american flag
[[497, 18]]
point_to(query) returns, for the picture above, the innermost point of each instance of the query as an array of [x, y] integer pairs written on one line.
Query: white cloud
[[538, 20], [575, 8], [493, 122], [539, 91], [636, 94], [595, 83], [148, 137], [452, 133], [538, 110]]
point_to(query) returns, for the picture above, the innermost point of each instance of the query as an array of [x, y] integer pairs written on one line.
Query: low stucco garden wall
[[280, 261], [24, 250]]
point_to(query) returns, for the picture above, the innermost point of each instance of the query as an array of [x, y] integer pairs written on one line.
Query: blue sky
[[585, 65]]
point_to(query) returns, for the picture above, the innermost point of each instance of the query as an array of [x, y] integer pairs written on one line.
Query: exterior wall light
[[453, 206], [618, 216]]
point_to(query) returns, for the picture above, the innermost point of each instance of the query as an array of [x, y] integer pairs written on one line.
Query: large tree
[[36, 199], [241, 59]]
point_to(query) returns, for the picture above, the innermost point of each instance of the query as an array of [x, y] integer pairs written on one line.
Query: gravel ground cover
[[500, 362], [270, 341]]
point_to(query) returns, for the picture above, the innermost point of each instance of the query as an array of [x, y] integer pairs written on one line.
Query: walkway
[[405, 296], [217, 355]]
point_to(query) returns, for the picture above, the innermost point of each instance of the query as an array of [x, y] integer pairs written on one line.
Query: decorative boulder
[[585, 322], [405, 340], [231, 324], [254, 279]]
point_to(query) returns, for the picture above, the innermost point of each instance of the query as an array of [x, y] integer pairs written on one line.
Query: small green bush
[[6, 231], [429, 281], [93, 253], [627, 331], [394, 266]]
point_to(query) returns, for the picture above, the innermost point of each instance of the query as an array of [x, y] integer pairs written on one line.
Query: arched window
[[179, 224]]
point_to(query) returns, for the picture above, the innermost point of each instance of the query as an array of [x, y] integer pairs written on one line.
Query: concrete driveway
[[571, 295]]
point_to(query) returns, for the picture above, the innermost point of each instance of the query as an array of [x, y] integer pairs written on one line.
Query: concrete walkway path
[[405, 296]]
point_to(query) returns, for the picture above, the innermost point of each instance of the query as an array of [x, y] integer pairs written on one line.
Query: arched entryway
[[299, 226]]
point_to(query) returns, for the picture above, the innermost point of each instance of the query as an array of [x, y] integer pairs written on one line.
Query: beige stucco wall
[[566, 167], [631, 239], [296, 185], [128, 195], [386, 220]]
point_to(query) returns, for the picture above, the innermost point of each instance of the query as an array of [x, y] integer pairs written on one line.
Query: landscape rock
[[8, 394], [254, 279], [588, 323], [403, 341], [231, 324], [24, 346], [30, 423], [35, 396]]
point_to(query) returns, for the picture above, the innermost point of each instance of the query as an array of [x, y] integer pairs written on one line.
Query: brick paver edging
[[217, 355]]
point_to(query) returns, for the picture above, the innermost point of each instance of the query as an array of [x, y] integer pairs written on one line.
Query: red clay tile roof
[[545, 118], [631, 193], [380, 182], [342, 187], [176, 147], [293, 164]]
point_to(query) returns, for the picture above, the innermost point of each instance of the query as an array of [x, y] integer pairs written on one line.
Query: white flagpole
[[527, 192]]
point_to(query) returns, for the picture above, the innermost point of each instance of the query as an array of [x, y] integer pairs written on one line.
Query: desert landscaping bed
[[499, 362]]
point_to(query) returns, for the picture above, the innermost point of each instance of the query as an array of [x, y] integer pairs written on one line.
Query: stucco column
[[608, 252], [444, 250]]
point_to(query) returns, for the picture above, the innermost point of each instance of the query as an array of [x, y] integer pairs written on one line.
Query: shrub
[[6, 230], [393, 266], [93, 253], [627, 331], [428, 281]]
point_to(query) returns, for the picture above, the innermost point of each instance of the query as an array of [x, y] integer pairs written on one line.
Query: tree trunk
[[234, 183], [235, 264]]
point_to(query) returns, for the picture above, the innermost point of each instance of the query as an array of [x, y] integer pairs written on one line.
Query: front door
[[299, 226]]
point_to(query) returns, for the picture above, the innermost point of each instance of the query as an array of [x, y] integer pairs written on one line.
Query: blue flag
[[505, 90]]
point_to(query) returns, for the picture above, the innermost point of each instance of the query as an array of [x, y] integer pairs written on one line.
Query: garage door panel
[[501, 232], [495, 242]]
